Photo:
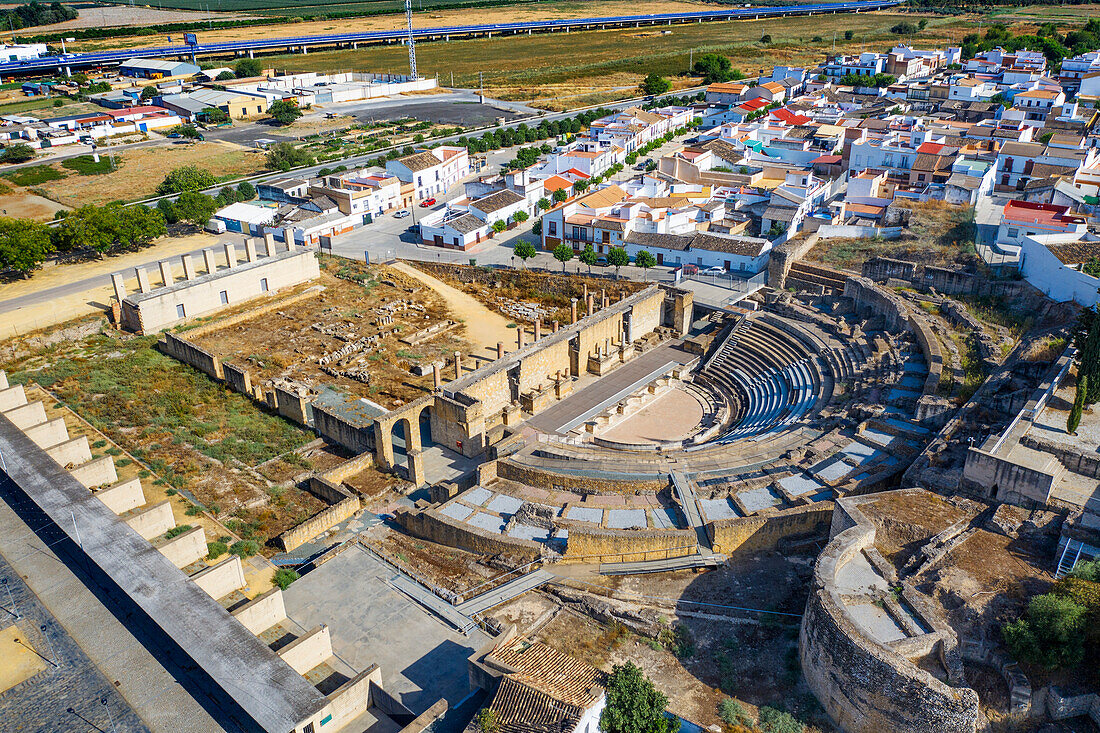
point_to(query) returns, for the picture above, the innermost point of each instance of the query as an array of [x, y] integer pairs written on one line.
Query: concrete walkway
[[504, 593]]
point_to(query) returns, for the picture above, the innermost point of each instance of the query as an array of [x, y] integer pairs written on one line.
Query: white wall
[[1057, 281]]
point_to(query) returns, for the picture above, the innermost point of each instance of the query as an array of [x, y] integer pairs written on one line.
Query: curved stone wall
[[866, 686]]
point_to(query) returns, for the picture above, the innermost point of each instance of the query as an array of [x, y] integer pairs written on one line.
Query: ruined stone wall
[[628, 545], [864, 686], [580, 484], [868, 296], [435, 527], [537, 369], [493, 392], [458, 425], [322, 521], [785, 255], [197, 332], [594, 336], [646, 314], [183, 350], [1003, 480], [761, 533], [355, 438]]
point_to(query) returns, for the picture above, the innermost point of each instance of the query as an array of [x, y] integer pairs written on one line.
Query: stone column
[[500, 349], [573, 310], [188, 267], [591, 304], [208, 261], [519, 335], [143, 280], [120, 286], [250, 249], [230, 254], [458, 365], [555, 327], [383, 446], [606, 346], [416, 468], [166, 275], [606, 301], [538, 329], [437, 379], [269, 244]]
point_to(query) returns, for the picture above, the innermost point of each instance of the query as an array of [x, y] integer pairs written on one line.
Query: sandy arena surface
[[18, 661]]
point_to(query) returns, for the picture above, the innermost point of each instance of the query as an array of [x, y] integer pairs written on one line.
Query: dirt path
[[484, 328]]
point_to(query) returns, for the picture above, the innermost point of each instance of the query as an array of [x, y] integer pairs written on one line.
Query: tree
[[581, 186], [904, 28], [520, 216], [186, 178], [524, 250], [777, 721], [246, 191], [195, 208], [149, 92], [225, 76], [499, 226], [167, 209], [248, 67], [284, 111], [284, 577], [213, 115], [563, 253], [544, 203], [24, 244], [284, 156], [713, 68], [1050, 634], [589, 257], [1074, 419], [654, 83], [536, 228], [138, 226], [560, 195], [849, 35], [634, 705], [188, 131], [645, 260], [17, 153], [766, 39], [486, 721], [617, 257]]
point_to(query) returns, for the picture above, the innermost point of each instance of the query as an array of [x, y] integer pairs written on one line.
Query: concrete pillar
[[230, 254], [606, 346], [269, 244], [520, 334], [416, 468], [188, 267], [383, 446], [554, 327], [538, 329], [500, 349], [166, 275], [143, 280], [288, 237], [585, 296], [458, 365], [591, 305], [250, 249], [437, 379], [606, 301], [120, 286], [573, 310], [208, 261]]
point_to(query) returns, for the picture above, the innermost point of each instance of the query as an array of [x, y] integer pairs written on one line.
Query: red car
[[428, 202]]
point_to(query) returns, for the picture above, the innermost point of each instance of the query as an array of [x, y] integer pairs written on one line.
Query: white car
[[400, 213], [716, 270]]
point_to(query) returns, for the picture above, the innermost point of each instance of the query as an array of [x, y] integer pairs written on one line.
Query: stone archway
[[397, 440]]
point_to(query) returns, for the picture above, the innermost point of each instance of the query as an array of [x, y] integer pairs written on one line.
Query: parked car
[[716, 270], [400, 213], [428, 202], [601, 260]]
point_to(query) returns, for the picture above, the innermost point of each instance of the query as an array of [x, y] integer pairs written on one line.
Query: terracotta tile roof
[[564, 678], [603, 198], [555, 183], [419, 161], [496, 201], [519, 708], [1075, 253]]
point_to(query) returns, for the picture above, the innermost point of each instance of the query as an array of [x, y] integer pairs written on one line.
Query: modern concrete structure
[[152, 310]]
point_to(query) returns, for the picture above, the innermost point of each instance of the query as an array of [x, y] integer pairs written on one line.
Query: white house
[[433, 171], [1055, 263]]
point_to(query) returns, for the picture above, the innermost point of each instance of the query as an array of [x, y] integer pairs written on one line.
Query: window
[[224, 295], [553, 229], [180, 312], [263, 284], [1013, 233]]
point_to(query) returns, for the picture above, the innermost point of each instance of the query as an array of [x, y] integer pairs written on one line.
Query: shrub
[[777, 721], [86, 165], [187, 178], [1050, 634], [284, 577], [245, 548], [17, 153], [177, 531], [216, 549], [34, 175], [732, 713]]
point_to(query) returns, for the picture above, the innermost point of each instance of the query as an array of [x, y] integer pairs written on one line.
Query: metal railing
[[1030, 413]]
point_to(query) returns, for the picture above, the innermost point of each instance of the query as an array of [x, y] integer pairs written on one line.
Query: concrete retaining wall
[[27, 415], [221, 579], [262, 612], [308, 650], [186, 548], [12, 397], [71, 453], [123, 496], [185, 351], [152, 522], [99, 472], [48, 433], [350, 699]]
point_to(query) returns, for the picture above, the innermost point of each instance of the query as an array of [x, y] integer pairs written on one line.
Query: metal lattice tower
[[412, 43]]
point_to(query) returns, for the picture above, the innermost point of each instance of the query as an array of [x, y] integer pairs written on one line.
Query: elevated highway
[[62, 63]]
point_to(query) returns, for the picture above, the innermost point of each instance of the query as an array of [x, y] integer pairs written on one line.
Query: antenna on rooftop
[[412, 43]]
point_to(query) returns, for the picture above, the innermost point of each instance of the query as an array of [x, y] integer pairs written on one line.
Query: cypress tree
[[1089, 365], [1078, 405]]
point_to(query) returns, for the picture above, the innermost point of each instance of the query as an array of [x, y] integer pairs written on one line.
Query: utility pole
[[412, 43]]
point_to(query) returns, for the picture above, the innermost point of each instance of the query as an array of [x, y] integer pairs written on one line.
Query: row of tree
[[617, 257], [36, 13]]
